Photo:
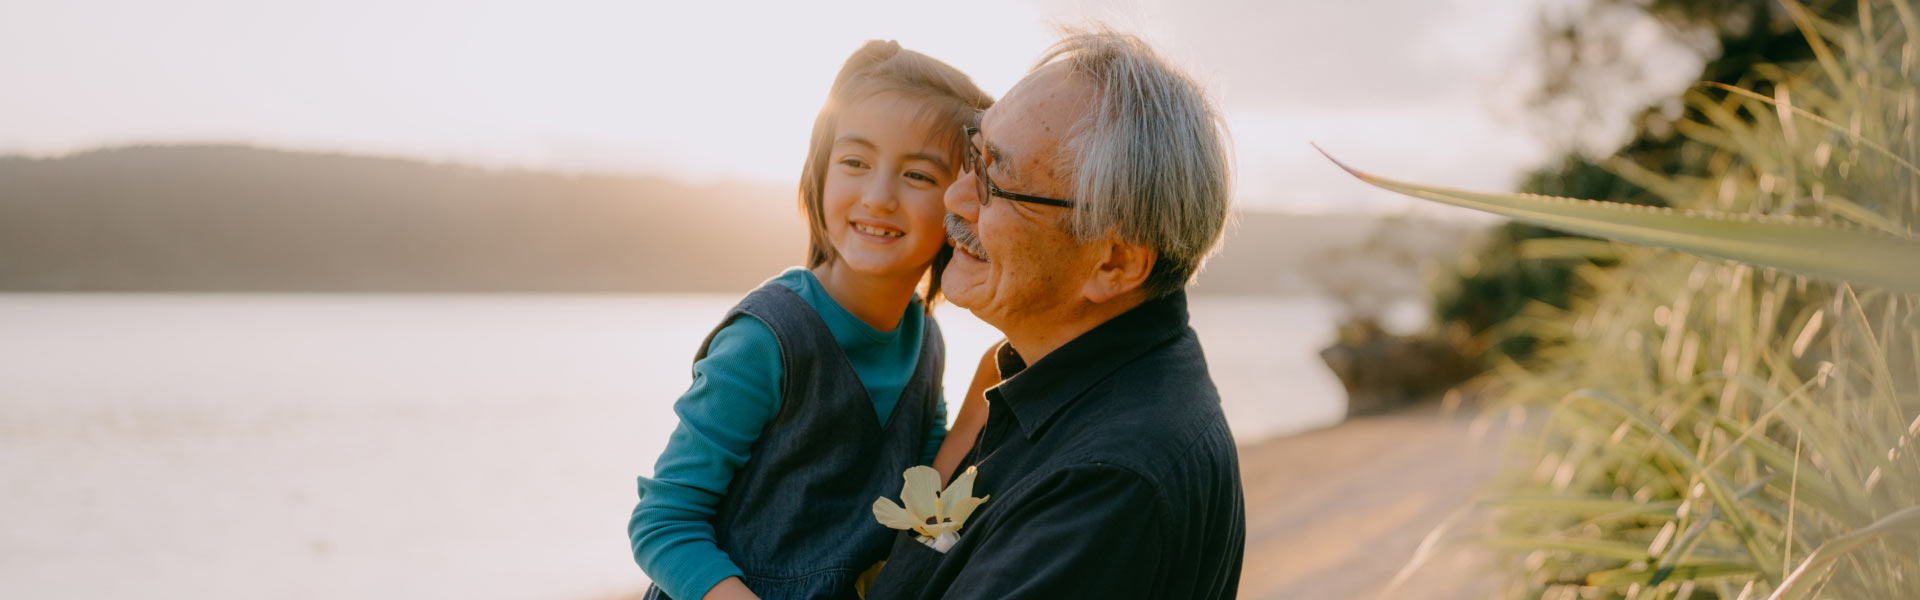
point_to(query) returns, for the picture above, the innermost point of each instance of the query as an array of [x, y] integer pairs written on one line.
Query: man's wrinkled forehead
[[1034, 118]]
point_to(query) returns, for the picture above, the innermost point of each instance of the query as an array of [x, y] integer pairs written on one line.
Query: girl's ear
[[1121, 270]]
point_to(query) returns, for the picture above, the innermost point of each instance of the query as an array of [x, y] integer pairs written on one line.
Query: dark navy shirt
[[1110, 473]]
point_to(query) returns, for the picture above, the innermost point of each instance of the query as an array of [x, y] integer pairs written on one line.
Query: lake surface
[[401, 446]]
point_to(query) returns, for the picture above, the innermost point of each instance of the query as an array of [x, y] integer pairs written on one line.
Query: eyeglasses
[[976, 165]]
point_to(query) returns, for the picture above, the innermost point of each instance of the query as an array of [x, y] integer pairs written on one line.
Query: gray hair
[[1152, 164]]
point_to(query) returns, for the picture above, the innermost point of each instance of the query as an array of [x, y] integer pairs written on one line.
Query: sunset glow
[[711, 91]]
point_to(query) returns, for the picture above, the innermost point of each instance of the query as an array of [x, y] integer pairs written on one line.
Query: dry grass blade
[[1823, 122], [1629, 576], [1906, 521]]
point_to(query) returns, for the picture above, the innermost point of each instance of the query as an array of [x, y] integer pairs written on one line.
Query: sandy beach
[[1335, 513]]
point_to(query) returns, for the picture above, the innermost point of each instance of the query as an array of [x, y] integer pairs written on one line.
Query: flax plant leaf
[[1805, 246]]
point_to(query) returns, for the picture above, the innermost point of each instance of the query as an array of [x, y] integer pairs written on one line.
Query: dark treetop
[[1111, 473]]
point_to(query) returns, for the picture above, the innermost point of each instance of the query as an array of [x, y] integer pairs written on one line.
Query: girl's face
[[885, 179]]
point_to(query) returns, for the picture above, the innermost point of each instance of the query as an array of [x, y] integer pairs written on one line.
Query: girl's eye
[[922, 176], [853, 162]]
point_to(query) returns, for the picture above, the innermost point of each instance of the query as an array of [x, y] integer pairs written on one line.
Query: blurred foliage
[[1709, 429], [1581, 53], [1493, 284], [1588, 50]]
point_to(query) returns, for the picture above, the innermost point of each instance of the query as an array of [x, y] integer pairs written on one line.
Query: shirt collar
[[1035, 393]]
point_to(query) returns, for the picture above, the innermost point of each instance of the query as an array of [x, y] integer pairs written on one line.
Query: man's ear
[[1120, 271]]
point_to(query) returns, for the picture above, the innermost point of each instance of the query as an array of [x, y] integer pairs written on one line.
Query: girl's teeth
[[879, 232]]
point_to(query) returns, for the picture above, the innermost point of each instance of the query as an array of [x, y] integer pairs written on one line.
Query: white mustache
[[963, 236]]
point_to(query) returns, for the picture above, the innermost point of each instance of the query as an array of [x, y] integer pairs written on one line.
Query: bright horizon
[[710, 93]]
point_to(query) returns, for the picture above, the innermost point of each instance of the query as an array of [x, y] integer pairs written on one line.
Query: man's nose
[[963, 197]]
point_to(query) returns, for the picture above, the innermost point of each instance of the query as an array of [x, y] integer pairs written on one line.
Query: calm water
[[344, 446]]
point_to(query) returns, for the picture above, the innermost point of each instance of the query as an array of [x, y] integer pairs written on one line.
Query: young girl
[[823, 385]]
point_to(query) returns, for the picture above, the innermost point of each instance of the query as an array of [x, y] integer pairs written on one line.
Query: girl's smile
[[886, 233]]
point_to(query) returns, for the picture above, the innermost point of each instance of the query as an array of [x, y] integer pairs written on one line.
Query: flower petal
[[919, 493], [963, 509], [962, 487], [935, 530], [892, 515]]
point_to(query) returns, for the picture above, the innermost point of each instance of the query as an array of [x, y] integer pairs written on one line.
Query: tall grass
[[1716, 429]]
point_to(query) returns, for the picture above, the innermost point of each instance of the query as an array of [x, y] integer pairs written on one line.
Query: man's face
[[1031, 263]]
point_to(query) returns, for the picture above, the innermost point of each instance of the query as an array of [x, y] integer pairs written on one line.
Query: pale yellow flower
[[936, 515]]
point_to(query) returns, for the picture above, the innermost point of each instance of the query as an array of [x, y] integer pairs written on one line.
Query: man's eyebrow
[[998, 156]]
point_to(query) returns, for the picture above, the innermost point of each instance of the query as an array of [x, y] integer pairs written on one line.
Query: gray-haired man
[[1099, 186]]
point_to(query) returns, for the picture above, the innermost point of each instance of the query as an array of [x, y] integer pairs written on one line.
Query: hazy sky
[[711, 90]]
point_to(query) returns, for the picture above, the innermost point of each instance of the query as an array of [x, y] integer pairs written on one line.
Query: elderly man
[[1095, 190]]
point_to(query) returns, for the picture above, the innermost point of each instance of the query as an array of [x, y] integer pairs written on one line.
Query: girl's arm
[[735, 393], [973, 415]]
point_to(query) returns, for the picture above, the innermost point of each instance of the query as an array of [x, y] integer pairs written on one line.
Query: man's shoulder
[[1174, 368], [1159, 413], [1166, 446], [1162, 444], [1164, 396]]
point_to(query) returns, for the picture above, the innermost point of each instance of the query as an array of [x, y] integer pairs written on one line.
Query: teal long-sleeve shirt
[[735, 394]]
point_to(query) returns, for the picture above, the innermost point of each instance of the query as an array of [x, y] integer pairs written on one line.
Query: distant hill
[[1342, 254], [229, 218], [234, 218]]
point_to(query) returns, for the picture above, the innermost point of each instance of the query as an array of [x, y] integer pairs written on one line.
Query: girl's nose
[[878, 195]]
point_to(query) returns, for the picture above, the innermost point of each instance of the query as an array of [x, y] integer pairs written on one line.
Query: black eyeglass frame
[[976, 165]]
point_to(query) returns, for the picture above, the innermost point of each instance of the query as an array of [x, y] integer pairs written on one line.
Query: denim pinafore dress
[[798, 516]]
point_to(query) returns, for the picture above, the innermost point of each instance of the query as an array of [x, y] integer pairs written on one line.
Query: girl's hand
[[730, 588], [973, 415]]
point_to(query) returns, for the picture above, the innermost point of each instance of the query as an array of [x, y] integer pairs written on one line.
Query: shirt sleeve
[[735, 394], [1094, 531], [937, 433]]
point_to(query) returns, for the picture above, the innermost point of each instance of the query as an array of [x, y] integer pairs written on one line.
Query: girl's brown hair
[[952, 101]]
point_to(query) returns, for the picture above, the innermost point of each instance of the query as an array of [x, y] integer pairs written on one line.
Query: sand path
[[1335, 513]]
